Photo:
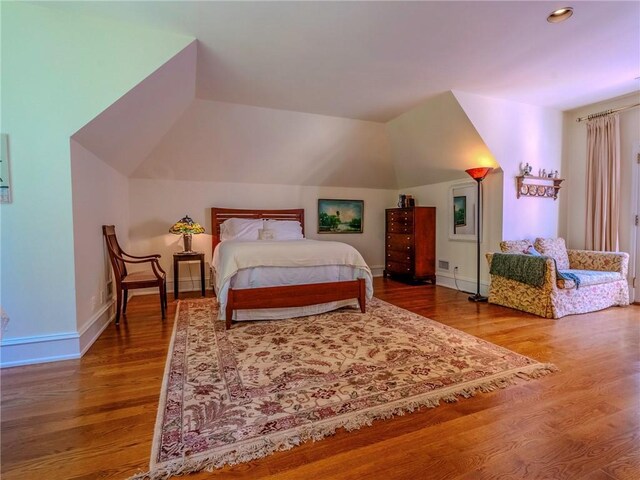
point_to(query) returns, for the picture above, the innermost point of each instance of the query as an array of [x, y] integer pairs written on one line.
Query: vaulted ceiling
[[377, 60], [354, 94]]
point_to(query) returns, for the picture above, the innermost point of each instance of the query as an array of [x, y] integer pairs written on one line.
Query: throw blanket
[[527, 269], [566, 275]]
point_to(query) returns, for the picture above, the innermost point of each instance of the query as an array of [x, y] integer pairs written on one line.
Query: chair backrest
[[119, 267]]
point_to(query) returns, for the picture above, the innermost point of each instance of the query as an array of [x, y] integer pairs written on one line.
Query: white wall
[[463, 253], [155, 205], [517, 133], [100, 197], [59, 70], [225, 142], [574, 166]]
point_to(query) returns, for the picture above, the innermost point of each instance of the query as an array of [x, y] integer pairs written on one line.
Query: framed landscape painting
[[340, 216], [459, 211], [462, 212]]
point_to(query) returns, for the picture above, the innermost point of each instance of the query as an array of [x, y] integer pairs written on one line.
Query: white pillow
[[285, 229], [266, 234], [240, 229]]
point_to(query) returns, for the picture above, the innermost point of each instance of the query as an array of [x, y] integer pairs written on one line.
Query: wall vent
[[443, 265]]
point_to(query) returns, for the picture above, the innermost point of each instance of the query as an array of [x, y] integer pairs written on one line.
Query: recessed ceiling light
[[560, 15]]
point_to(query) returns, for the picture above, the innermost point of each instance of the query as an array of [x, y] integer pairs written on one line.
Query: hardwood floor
[[94, 417]]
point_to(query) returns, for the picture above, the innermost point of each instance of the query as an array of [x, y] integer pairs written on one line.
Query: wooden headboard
[[219, 215]]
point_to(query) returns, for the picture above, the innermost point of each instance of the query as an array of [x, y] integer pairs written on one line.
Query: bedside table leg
[[202, 275], [175, 278]]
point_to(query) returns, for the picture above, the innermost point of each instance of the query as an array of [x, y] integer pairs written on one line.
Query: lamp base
[[477, 298], [187, 243]]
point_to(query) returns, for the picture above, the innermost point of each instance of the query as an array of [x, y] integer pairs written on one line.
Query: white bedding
[[242, 264]]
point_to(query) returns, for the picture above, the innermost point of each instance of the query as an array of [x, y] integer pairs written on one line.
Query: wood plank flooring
[[94, 417]]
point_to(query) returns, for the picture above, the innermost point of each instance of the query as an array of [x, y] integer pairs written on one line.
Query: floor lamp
[[478, 175]]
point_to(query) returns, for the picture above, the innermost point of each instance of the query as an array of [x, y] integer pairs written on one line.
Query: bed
[[270, 279]]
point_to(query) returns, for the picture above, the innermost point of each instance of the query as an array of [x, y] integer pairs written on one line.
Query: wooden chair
[[125, 280]]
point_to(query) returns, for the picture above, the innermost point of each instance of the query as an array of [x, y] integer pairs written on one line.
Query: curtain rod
[[606, 112]]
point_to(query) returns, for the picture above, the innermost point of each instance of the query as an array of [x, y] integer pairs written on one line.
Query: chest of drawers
[[410, 243]]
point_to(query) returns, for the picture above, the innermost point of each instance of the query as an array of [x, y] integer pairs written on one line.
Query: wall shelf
[[532, 186]]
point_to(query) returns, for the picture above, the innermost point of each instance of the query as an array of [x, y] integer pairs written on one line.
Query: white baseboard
[[39, 349], [464, 284], [57, 347], [97, 324], [376, 270]]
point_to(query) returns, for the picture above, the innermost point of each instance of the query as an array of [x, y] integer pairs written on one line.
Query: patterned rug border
[[281, 441]]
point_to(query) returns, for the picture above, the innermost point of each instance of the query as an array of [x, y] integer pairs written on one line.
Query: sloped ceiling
[[351, 66], [377, 60], [435, 143], [215, 141], [124, 134]]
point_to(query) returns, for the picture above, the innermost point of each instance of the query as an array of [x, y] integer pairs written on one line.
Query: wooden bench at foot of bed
[[294, 296]]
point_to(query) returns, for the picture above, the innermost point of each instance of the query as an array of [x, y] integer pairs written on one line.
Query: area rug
[[230, 396]]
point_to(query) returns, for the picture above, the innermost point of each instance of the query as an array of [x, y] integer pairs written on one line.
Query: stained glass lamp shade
[[186, 227]]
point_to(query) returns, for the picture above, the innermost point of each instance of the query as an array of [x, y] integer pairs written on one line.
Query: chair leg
[[163, 295], [125, 300], [118, 305]]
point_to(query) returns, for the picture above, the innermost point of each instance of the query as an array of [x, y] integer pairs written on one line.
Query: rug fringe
[[318, 432]]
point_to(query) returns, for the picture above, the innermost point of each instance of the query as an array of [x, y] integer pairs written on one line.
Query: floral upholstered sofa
[[570, 281]]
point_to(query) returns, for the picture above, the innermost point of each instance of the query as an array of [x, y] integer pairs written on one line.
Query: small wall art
[[462, 211], [459, 212], [340, 216], [5, 172]]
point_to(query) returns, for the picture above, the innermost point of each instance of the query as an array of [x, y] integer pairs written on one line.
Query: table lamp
[[186, 227]]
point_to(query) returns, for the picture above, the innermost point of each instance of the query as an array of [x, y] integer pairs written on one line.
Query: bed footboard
[[294, 296]]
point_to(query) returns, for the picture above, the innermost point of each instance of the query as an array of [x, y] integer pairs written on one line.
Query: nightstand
[[186, 257]]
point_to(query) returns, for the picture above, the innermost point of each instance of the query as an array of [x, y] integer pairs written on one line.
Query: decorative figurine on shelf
[[556, 174], [544, 172], [526, 170]]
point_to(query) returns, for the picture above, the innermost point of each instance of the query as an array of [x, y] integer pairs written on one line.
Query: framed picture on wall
[[340, 216], [5, 174], [462, 211], [459, 211]]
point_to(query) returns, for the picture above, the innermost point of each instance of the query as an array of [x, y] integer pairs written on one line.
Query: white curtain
[[603, 183]]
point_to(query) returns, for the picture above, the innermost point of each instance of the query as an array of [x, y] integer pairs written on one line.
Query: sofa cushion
[[515, 246], [588, 277], [554, 248]]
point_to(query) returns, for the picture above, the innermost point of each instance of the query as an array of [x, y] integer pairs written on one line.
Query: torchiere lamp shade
[[478, 173]]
